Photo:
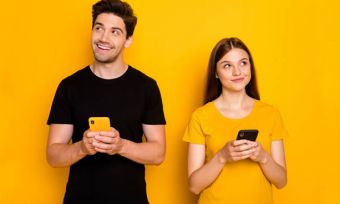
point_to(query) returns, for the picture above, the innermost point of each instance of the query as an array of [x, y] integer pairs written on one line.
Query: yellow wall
[[295, 46]]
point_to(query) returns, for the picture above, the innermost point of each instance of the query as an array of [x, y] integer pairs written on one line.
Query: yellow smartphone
[[99, 124]]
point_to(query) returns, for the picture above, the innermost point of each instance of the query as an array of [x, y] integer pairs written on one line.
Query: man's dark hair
[[214, 86], [118, 8]]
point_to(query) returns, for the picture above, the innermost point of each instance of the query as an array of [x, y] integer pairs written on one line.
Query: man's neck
[[109, 70]]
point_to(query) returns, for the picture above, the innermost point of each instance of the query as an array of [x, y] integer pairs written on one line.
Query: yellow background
[[295, 45]]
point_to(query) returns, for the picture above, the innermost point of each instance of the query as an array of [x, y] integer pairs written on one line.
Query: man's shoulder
[[78, 74], [77, 77], [139, 76]]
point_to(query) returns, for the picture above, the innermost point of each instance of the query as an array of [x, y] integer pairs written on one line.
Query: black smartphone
[[247, 135]]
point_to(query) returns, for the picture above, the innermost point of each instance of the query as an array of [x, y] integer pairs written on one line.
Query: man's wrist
[[82, 151], [123, 148]]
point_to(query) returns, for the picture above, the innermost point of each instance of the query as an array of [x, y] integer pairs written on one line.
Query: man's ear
[[128, 42]]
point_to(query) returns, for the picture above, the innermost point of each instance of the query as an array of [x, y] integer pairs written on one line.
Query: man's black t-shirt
[[129, 101]]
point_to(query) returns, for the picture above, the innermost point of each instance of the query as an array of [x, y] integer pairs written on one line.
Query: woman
[[220, 168]]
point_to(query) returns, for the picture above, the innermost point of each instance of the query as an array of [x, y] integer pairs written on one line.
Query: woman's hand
[[236, 150], [259, 155]]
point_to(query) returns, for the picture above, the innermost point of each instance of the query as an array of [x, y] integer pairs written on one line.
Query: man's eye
[[116, 32]]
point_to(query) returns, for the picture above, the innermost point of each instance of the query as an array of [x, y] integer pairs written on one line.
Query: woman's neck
[[234, 105], [234, 100]]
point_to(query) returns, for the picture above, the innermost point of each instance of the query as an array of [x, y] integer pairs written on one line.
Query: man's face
[[109, 38]]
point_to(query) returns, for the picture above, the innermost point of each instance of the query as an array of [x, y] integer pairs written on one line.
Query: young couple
[[108, 166]]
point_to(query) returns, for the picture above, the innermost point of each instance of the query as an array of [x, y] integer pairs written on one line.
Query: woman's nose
[[236, 71]]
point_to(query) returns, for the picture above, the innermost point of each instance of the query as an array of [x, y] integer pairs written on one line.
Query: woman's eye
[[244, 63], [226, 66]]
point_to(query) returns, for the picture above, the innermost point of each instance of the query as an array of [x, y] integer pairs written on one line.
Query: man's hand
[[108, 142], [87, 142]]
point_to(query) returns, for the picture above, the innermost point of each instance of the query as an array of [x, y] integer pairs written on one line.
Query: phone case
[[99, 124], [247, 135]]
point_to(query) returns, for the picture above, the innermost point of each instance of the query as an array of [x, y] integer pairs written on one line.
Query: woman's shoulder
[[265, 107], [205, 110]]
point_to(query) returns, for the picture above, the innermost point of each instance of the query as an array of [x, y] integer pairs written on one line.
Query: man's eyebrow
[[98, 23], [117, 28], [113, 28]]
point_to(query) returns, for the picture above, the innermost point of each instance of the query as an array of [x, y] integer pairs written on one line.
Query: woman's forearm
[[206, 175], [275, 173]]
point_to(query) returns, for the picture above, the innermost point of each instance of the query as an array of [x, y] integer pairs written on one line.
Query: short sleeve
[[193, 133], [153, 113], [61, 108], [279, 131]]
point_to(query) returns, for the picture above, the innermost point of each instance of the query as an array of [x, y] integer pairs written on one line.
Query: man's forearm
[[143, 153], [64, 155]]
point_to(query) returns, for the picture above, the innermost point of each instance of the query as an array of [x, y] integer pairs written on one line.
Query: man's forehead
[[110, 20]]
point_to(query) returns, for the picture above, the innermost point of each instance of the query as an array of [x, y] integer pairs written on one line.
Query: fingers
[[108, 133], [238, 158], [243, 145], [236, 143], [245, 153], [87, 147], [104, 142], [112, 133], [239, 150], [97, 141], [105, 139], [90, 134], [108, 148], [108, 137], [259, 155], [102, 136], [102, 146], [244, 149], [108, 142]]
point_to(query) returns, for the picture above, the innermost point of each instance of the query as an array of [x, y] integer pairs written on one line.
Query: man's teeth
[[103, 47]]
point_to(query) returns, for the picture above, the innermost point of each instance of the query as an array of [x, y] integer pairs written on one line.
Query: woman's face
[[233, 70]]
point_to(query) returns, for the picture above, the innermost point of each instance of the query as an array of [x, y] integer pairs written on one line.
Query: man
[[107, 166]]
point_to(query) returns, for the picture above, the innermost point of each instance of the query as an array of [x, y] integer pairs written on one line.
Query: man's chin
[[104, 61]]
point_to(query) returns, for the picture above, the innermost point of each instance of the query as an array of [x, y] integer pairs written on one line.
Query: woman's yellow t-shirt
[[241, 181]]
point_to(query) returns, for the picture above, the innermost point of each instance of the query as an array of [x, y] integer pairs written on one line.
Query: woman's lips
[[238, 80]]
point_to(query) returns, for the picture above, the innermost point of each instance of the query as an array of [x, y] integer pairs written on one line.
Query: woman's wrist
[[264, 159], [220, 157]]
